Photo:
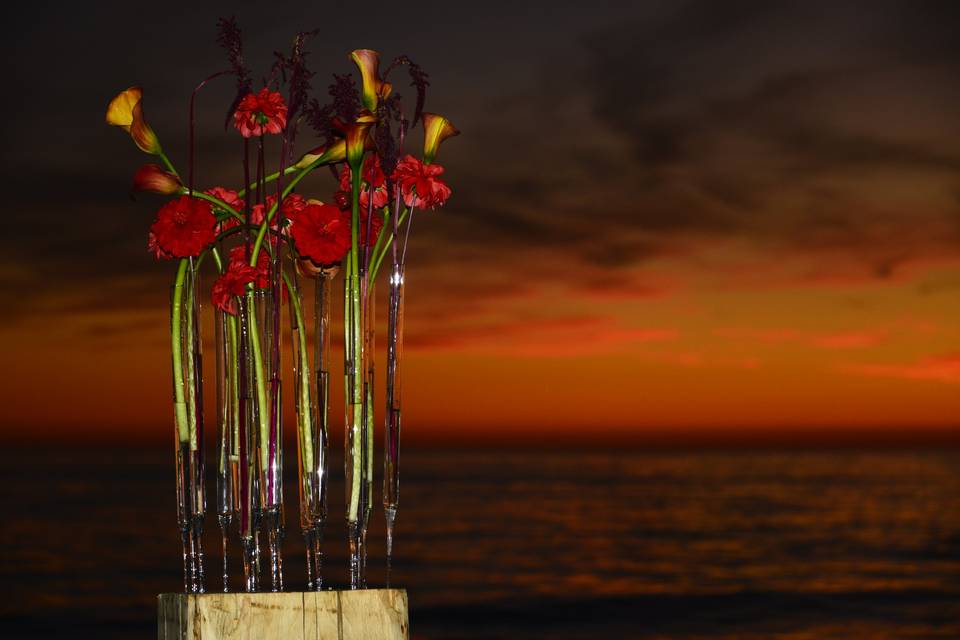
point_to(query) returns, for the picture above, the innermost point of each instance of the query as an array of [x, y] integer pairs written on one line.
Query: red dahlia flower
[[321, 232], [183, 228], [260, 113], [420, 184], [373, 178]]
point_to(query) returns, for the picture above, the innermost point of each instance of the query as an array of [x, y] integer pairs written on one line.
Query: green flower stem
[[269, 178], [176, 312], [266, 220], [355, 345], [191, 364], [217, 201], [378, 257], [304, 390], [262, 414], [167, 163]]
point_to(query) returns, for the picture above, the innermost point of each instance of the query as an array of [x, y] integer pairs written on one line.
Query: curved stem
[[176, 314], [269, 178], [267, 218]]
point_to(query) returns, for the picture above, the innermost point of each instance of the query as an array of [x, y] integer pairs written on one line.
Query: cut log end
[[367, 614]]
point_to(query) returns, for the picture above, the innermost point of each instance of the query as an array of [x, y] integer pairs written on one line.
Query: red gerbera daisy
[[260, 113], [420, 184], [321, 232], [183, 228]]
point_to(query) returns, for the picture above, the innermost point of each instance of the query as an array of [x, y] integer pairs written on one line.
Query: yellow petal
[[120, 109], [368, 61], [436, 129]]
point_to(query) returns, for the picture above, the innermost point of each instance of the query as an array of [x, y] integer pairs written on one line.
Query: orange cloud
[[939, 368], [552, 337]]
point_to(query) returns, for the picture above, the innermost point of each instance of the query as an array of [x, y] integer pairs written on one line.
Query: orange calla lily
[[126, 111], [374, 89], [335, 152], [358, 139], [436, 129]]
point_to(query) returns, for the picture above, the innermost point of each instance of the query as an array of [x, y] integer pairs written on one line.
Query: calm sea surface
[[719, 544]]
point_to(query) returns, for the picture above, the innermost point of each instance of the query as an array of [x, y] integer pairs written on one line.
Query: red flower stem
[[246, 201], [190, 149], [275, 345], [406, 237]]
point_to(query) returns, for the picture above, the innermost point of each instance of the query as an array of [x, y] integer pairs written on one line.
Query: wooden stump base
[[367, 614]]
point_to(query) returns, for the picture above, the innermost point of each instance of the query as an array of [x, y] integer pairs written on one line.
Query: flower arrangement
[[265, 240]]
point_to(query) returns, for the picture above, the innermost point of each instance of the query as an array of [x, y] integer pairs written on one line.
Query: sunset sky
[[694, 218]]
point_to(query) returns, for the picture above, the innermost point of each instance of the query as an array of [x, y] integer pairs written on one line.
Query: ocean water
[[561, 545]]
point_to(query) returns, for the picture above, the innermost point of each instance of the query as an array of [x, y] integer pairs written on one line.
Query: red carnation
[[260, 113], [229, 196], [419, 183], [321, 232], [238, 259], [183, 228], [373, 178], [232, 283]]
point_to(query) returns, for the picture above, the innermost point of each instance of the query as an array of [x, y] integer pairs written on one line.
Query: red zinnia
[[321, 232], [419, 183], [260, 113], [373, 178], [183, 228]]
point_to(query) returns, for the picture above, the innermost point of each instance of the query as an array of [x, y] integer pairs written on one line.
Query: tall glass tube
[[249, 442], [355, 463], [311, 405], [188, 408], [391, 450], [228, 419], [369, 359], [271, 433]]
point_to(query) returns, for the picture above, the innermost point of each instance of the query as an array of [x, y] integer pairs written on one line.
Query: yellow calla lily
[[126, 111], [335, 152], [436, 129], [374, 89]]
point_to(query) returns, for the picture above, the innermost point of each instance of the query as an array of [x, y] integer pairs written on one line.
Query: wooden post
[[366, 614]]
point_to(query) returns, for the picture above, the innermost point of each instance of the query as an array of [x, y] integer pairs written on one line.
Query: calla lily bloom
[[374, 89], [436, 129], [327, 154], [152, 177], [126, 111], [358, 139]]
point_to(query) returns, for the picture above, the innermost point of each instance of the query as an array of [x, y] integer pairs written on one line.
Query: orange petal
[[142, 134], [368, 61], [436, 129], [151, 177], [120, 109]]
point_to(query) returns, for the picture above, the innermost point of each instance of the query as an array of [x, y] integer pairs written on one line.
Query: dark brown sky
[[753, 204]]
